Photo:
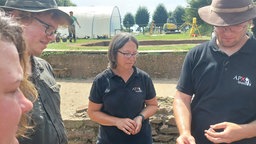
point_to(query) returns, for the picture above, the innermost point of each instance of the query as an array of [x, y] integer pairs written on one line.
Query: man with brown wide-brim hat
[[215, 100], [40, 20]]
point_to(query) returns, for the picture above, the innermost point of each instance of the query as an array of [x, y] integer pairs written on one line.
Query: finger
[[132, 124], [137, 130], [212, 133], [185, 140], [219, 125], [212, 139], [215, 140], [126, 131]]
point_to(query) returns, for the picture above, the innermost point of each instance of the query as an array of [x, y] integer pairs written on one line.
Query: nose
[[133, 56], [25, 104], [51, 37]]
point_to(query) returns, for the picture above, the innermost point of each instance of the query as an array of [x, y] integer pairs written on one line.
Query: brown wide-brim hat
[[228, 12], [36, 6]]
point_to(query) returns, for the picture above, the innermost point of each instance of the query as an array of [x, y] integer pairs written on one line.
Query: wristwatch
[[143, 118]]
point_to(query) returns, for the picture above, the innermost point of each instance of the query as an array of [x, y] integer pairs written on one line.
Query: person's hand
[[185, 139], [230, 132], [138, 120], [126, 125]]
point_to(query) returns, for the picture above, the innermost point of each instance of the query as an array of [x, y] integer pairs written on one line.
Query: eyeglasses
[[129, 55], [233, 28], [49, 30]]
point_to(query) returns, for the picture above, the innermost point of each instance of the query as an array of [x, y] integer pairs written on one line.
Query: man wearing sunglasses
[[40, 19]]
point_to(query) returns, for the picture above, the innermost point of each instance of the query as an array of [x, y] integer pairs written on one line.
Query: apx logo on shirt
[[243, 80], [137, 89]]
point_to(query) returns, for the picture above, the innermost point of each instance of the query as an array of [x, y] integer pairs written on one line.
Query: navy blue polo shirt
[[223, 87], [124, 100]]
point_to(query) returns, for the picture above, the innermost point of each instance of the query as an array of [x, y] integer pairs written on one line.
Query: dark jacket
[[46, 116]]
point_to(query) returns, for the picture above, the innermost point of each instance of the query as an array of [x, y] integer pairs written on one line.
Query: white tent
[[94, 21]]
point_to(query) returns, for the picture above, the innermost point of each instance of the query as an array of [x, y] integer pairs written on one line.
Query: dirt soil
[[75, 92]]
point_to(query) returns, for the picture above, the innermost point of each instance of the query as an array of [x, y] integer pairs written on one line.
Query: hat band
[[231, 10]]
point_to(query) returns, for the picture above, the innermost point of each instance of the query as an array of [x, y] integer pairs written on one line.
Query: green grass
[[180, 36], [78, 44]]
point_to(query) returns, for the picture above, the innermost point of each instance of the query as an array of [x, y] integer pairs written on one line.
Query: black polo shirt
[[124, 100], [224, 87]]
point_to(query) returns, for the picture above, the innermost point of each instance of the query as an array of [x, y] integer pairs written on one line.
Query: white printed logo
[[137, 89], [243, 80]]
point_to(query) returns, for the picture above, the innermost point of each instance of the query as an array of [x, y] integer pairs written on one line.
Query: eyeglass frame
[[129, 55], [47, 27], [232, 28]]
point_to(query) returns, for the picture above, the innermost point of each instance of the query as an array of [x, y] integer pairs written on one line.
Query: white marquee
[[94, 21]]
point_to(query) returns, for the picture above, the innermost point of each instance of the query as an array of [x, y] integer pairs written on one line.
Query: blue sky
[[132, 5]]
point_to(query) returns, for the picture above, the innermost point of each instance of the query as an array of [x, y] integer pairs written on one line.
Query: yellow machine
[[194, 31], [170, 26]]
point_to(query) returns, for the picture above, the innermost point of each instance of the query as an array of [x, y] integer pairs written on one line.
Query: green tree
[[160, 16], [128, 21], [170, 14], [178, 15], [192, 10], [65, 3], [142, 17]]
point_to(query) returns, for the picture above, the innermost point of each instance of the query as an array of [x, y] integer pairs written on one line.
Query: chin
[[15, 141]]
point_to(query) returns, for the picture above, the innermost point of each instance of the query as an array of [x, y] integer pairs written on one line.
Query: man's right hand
[[185, 139]]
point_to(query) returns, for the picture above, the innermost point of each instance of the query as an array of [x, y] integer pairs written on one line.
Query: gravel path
[[75, 92]]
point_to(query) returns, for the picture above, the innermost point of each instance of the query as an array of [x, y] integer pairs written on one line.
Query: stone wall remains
[[164, 130], [158, 64]]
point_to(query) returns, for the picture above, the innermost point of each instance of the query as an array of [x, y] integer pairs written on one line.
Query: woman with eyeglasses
[[123, 97], [40, 19]]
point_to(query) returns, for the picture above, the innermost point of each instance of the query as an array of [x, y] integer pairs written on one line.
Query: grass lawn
[[182, 36]]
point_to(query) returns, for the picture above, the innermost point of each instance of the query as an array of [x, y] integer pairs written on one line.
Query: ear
[[250, 23]]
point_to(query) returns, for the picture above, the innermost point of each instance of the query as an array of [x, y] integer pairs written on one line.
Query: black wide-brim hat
[[35, 6], [228, 12]]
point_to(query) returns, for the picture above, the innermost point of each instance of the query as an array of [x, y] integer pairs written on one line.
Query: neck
[[123, 73], [29, 66], [229, 50]]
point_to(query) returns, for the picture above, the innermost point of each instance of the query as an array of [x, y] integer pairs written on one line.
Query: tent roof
[[94, 21], [93, 10]]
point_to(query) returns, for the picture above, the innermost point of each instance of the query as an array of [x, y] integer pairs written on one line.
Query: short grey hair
[[117, 42]]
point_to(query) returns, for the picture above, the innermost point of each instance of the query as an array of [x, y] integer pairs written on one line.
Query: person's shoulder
[[141, 72], [41, 61], [252, 39], [250, 44], [74, 17], [205, 44], [104, 74], [202, 46]]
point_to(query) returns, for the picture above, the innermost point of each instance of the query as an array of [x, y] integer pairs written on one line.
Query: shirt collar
[[111, 74], [37, 67]]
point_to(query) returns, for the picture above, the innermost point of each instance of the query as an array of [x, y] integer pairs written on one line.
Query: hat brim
[[225, 19], [61, 13]]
